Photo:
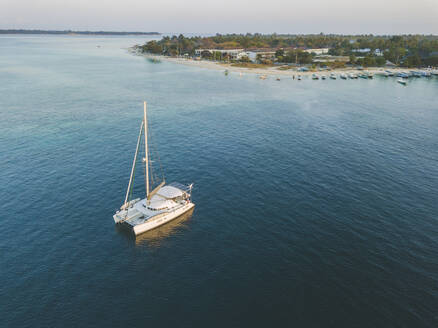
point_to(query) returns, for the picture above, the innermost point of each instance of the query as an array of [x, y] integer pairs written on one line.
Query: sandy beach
[[275, 71]]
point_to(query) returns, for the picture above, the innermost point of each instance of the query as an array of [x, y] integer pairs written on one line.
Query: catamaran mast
[[133, 164], [146, 150]]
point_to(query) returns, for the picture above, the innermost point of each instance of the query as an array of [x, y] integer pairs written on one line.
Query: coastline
[[271, 71]]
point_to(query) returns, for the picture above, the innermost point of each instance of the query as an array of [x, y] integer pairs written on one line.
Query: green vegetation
[[365, 50], [297, 56]]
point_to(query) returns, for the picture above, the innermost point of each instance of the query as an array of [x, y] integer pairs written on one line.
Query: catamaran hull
[[161, 219]]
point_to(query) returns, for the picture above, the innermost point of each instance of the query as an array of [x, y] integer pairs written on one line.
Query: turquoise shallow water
[[316, 201]]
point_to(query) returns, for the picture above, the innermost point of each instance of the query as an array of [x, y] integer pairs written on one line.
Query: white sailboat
[[161, 205], [401, 81]]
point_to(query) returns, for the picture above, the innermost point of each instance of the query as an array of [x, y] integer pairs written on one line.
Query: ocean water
[[316, 201]]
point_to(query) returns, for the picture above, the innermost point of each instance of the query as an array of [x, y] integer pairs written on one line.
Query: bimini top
[[158, 203], [170, 192]]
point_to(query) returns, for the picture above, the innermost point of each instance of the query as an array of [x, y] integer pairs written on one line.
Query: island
[[70, 32]]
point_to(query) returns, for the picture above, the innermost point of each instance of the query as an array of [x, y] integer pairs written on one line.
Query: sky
[[225, 16]]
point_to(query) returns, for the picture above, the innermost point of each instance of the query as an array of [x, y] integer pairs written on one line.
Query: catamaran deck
[[144, 214], [170, 200]]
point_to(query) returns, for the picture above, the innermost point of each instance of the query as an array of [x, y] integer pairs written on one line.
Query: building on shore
[[318, 51], [261, 54], [234, 54], [376, 52]]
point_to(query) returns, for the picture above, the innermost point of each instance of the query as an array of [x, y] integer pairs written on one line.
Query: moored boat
[[160, 205], [403, 75], [426, 73], [390, 73], [401, 81]]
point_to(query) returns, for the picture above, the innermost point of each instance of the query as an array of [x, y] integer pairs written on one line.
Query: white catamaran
[[161, 205]]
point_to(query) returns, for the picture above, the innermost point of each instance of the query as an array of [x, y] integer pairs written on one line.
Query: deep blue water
[[316, 201]]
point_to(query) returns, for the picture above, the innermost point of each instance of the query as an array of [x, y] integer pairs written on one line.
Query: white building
[[377, 52], [235, 54], [264, 55], [319, 51]]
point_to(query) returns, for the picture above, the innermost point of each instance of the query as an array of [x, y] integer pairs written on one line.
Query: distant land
[[313, 50], [22, 31]]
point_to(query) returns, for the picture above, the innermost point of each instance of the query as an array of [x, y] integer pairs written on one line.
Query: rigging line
[[144, 166], [132, 187], [133, 176], [133, 164], [159, 161], [151, 166], [154, 154]]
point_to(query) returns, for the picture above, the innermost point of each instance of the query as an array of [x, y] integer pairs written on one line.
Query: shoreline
[[264, 71]]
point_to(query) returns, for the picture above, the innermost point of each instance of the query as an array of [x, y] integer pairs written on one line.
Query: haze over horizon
[[194, 16]]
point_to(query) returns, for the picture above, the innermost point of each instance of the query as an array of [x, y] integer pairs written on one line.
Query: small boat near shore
[[315, 76], [403, 82], [161, 205], [333, 76], [343, 76], [154, 60], [426, 74], [403, 75], [389, 73]]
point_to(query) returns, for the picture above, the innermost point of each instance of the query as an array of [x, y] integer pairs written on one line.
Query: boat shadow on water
[[155, 237]]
